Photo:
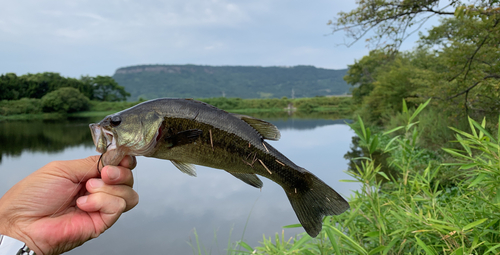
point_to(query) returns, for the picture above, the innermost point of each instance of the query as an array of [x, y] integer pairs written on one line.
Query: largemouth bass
[[189, 132]]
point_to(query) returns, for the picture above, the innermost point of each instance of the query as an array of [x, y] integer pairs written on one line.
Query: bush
[[65, 100], [22, 106], [307, 107]]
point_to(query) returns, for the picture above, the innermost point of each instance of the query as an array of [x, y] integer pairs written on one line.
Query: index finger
[[129, 162], [117, 175], [76, 170]]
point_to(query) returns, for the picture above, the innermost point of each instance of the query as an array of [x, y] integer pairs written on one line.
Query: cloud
[[97, 37]]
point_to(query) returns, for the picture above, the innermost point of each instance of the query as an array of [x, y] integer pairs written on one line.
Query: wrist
[[9, 245], [10, 232], [9, 228]]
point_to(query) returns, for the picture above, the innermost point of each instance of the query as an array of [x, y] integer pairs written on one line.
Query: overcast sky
[[90, 37]]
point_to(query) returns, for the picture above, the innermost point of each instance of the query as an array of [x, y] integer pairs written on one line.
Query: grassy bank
[[31, 108], [413, 211]]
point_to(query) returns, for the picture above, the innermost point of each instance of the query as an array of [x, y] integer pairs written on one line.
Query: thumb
[[78, 170]]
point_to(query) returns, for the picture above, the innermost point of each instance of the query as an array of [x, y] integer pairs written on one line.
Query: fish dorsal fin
[[266, 129], [186, 168], [250, 179]]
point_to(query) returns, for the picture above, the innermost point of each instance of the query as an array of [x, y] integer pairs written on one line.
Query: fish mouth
[[104, 140], [105, 143]]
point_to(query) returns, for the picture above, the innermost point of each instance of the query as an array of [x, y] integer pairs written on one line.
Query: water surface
[[172, 204]]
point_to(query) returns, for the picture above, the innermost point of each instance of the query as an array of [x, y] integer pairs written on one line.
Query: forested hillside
[[152, 81]]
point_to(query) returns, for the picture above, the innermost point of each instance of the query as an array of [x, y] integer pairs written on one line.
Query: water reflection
[[304, 124], [56, 135], [171, 203], [42, 136]]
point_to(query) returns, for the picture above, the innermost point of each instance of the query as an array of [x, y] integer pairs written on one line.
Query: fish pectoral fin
[[266, 129], [250, 179], [184, 137], [186, 168]]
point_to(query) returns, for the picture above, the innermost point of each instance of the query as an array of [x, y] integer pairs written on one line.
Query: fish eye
[[115, 121]]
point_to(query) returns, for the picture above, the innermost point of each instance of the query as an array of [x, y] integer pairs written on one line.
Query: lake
[[174, 206]]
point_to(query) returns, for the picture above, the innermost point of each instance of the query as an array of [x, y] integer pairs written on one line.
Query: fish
[[189, 132]]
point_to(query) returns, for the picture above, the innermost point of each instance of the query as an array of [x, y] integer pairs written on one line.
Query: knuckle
[[122, 205], [132, 201], [135, 199]]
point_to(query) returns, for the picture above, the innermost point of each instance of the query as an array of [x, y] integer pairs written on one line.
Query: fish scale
[[190, 132]]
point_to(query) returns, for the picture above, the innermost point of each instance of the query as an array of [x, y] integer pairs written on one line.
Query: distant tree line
[[99, 88], [51, 92]]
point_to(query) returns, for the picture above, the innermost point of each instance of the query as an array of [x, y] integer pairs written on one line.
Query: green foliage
[[394, 20], [481, 152], [414, 213], [304, 105], [103, 88], [22, 106], [13, 87], [65, 100], [104, 106], [397, 77], [307, 107], [325, 107], [362, 74], [192, 81], [455, 63], [106, 88], [468, 48]]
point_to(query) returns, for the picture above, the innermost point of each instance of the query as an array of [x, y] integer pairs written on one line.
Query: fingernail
[[113, 173], [82, 200], [96, 183], [134, 162]]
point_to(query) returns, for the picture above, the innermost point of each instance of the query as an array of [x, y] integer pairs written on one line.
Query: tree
[[8, 87], [105, 88], [390, 21], [469, 46], [65, 100], [459, 63], [362, 74]]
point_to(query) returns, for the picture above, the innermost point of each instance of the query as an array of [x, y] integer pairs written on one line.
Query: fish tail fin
[[311, 204]]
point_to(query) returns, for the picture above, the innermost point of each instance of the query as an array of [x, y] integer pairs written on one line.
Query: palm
[[59, 220], [46, 206]]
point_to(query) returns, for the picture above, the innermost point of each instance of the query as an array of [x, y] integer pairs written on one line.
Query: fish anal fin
[[250, 179], [186, 168], [266, 129], [184, 137]]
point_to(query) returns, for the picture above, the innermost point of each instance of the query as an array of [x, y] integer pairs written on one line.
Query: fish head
[[131, 132]]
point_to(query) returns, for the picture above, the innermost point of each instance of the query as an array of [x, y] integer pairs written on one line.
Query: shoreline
[[299, 106]]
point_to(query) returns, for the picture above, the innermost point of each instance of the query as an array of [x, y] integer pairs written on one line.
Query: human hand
[[66, 203]]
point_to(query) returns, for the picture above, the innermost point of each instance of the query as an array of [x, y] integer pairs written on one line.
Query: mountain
[[196, 81]]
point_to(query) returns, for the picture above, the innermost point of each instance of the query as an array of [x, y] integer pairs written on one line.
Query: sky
[[89, 37]]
